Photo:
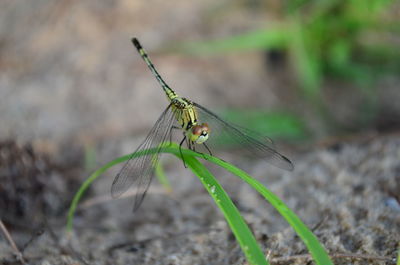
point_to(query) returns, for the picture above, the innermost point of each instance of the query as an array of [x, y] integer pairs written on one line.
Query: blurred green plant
[[162, 178], [398, 256], [349, 40], [90, 156], [275, 124]]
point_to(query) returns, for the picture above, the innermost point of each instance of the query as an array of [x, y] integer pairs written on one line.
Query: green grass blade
[[275, 124], [238, 226], [161, 177], [306, 63], [317, 251], [398, 256], [276, 37], [89, 157]]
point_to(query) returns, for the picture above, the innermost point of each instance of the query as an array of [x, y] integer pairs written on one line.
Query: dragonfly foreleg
[[180, 151], [208, 149]]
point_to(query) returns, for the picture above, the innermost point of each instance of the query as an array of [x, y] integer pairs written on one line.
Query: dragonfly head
[[199, 133]]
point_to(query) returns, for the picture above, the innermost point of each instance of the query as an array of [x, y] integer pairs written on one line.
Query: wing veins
[[139, 168], [236, 133]]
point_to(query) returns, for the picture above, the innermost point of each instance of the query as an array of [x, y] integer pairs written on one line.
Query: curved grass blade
[[398, 256], [310, 240], [317, 251], [234, 219], [275, 37], [236, 222], [162, 177]]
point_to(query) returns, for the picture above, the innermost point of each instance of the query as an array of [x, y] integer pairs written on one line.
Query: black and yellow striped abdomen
[[185, 112], [170, 93]]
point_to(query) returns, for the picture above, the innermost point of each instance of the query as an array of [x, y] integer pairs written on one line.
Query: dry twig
[[12, 243]]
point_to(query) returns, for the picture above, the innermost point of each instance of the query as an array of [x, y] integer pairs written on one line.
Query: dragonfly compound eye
[[197, 130], [205, 128], [199, 134]]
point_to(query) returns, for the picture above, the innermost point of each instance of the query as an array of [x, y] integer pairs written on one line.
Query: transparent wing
[[139, 170], [254, 143]]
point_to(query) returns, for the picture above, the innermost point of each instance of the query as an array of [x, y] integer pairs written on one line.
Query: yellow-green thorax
[[185, 112], [186, 115]]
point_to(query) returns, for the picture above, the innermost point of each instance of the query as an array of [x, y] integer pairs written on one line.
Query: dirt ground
[[346, 192], [73, 90]]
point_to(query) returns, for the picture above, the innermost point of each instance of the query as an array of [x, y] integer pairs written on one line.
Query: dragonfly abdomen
[[170, 93]]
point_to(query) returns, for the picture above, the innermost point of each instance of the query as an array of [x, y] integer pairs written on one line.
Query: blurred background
[[75, 93], [298, 69]]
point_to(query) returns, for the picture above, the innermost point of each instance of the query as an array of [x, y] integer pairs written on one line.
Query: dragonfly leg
[[193, 147], [208, 149], [180, 151]]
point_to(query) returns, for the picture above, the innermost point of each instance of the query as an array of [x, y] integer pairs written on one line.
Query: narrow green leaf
[[305, 60], [277, 125], [276, 37], [238, 226], [317, 251], [162, 178], [398, 256]]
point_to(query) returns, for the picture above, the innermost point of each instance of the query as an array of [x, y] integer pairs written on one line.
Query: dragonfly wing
[[139, 170], [254, 143]]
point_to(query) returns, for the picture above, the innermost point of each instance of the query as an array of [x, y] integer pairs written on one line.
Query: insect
[[199, 126]]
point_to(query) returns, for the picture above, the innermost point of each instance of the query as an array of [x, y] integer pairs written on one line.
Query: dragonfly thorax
[[185, 112], [181, 103]]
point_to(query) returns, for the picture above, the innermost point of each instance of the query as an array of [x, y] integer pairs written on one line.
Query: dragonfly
[[199, 127]]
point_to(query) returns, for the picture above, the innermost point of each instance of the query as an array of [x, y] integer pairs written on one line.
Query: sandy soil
[[346, 192]]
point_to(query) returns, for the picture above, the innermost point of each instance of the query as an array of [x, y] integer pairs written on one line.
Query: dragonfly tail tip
[[136, 43]]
